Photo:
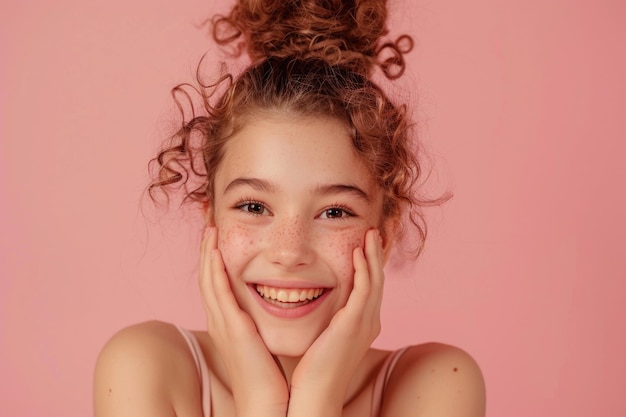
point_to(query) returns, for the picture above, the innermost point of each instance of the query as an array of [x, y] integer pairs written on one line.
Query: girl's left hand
[[328, 366]]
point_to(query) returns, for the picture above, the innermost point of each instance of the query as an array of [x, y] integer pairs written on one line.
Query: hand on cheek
[[258, 386], [329, 364]]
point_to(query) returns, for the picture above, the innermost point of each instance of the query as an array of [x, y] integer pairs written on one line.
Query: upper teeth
[[289, 295]]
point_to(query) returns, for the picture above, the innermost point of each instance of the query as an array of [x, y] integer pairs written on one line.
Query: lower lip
[[289, 312]]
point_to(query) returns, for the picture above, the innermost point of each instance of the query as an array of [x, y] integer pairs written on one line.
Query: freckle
[[110, 391], [432, 370], [455, 369]]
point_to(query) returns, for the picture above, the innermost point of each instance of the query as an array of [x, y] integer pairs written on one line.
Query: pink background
[[522, 104]]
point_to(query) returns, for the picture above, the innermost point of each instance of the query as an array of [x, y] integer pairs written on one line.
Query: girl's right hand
[[258, 386]]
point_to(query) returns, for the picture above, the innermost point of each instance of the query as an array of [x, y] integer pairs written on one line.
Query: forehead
[[294, 151]]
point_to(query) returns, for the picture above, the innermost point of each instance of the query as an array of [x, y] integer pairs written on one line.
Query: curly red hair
[[309, 58]]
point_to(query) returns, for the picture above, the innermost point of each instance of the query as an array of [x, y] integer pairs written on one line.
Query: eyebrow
[[255, 183], [326, 189], [343, 189]]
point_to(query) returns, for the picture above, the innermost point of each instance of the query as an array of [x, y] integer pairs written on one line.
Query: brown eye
[[335, 213], [253, 208]]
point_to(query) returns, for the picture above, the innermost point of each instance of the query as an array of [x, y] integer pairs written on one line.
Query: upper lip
[[289, 284]]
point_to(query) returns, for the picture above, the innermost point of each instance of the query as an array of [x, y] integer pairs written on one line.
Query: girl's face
[[292, 201]]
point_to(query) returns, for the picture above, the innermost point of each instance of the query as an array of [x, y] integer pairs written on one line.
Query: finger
[[369, 263], [374, 256], [221, 285], [213, 315], [208, 243], [374, 261], [361, 288]]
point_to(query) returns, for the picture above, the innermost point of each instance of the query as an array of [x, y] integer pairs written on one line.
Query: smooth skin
[[301, 226]]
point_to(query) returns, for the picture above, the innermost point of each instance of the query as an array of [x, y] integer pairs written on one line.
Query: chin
[[287, 343]]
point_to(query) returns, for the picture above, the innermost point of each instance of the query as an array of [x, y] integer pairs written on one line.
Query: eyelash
[[242, 204], [346, 212]]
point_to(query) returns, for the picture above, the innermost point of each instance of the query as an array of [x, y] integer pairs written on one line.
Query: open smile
[[288, 296], [289, 302]]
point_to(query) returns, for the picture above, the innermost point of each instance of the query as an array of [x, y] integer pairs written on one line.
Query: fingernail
[[380, 238]]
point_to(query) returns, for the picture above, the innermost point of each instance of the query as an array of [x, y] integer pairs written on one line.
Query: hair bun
[[345, 33]]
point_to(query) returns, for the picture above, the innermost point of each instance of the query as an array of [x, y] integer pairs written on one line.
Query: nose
[[289, 244]]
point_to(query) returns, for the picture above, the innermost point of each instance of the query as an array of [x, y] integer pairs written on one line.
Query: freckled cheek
[[337, 250], [236, 244]]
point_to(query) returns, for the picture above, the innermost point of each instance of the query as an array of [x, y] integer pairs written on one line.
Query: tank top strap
[[203, 369], [382, 378]]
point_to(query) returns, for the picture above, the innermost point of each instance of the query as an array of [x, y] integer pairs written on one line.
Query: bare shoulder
[[146, 370], [434, 379]]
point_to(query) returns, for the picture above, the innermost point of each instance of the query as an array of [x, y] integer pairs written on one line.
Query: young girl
[[307, 175]]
